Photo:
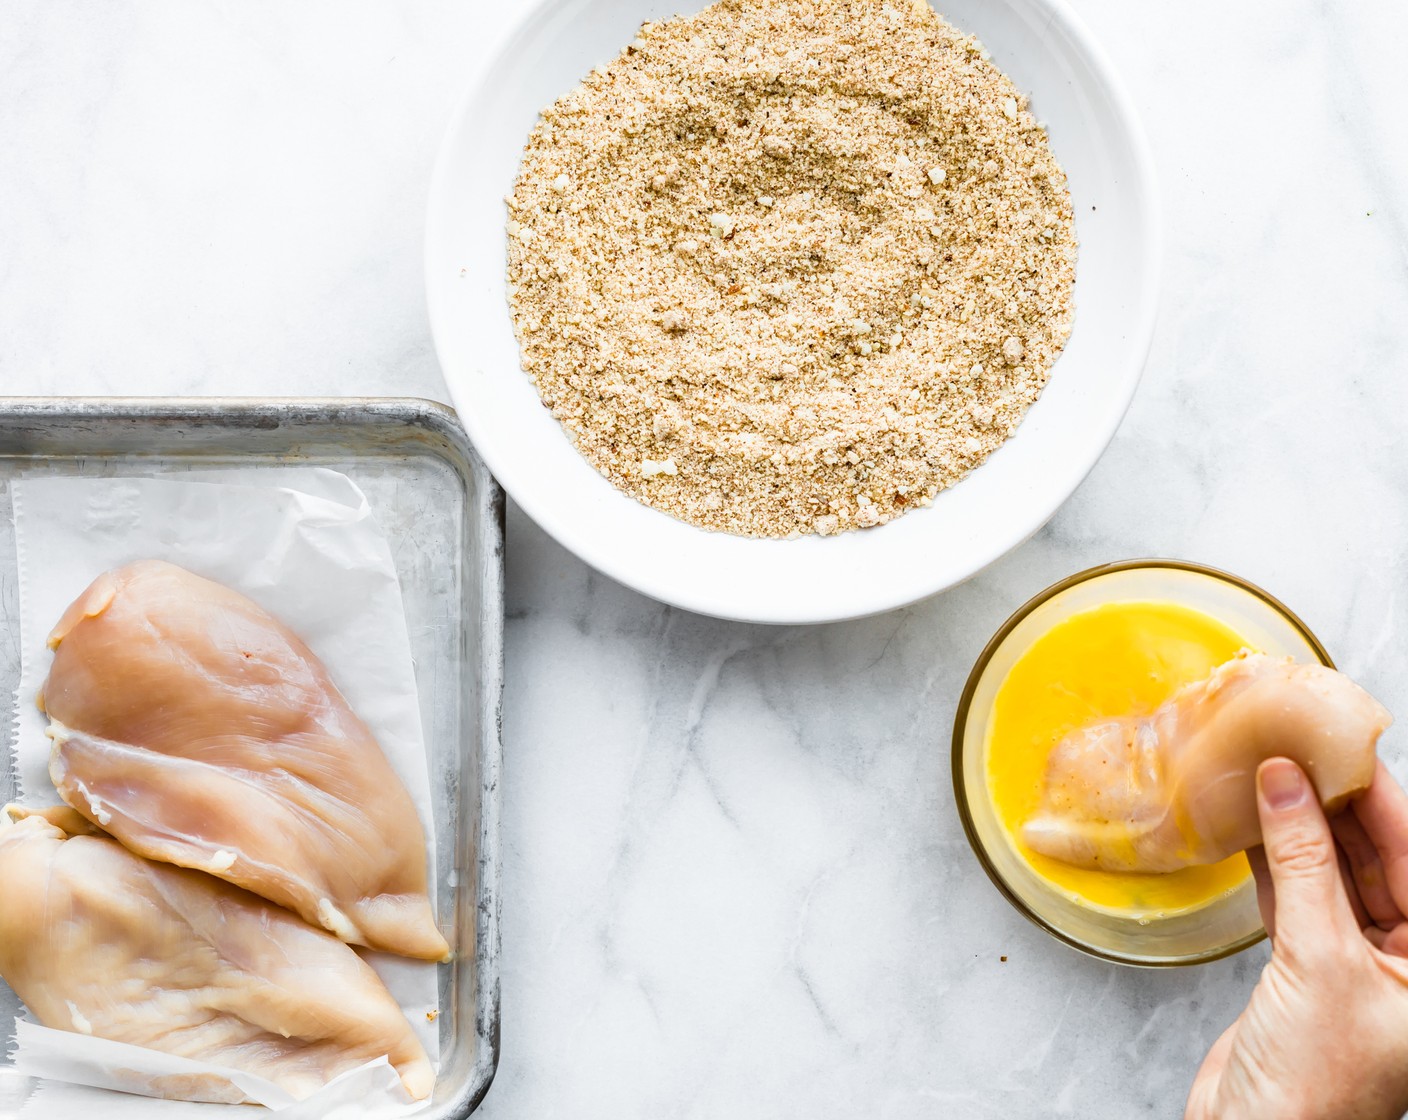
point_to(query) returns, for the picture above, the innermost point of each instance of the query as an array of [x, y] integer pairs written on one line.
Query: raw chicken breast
[[199, 730], [100, 941], [1178, 788]]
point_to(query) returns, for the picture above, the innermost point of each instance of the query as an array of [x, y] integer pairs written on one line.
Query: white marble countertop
[[734, 882]]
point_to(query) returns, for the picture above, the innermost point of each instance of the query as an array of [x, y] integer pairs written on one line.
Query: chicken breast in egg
[[1177, 788]]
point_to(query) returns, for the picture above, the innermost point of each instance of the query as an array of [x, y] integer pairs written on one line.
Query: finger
[[1383, 812], [1312, 909], [1394, 942], [1351, 891], [1368, 870], [1265, 892]]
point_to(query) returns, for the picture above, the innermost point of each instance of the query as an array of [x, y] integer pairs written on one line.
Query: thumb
[[1310, 905]]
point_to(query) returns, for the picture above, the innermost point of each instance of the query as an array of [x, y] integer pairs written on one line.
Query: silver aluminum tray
[[443, 514]]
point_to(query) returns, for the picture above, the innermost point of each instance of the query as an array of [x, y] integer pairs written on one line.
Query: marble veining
[[734, 882]]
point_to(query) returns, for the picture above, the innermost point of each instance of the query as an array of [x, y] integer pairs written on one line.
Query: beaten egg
[[1117, 659]]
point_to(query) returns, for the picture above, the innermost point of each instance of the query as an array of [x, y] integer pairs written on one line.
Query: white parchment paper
[[301, 542]]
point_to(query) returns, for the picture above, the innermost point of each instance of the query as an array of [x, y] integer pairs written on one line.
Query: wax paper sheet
[[303, 543]]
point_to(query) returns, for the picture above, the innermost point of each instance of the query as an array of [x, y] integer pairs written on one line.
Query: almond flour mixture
[[791, 266]]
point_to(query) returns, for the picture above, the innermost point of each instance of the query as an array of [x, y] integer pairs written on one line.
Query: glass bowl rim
[[965, 702]]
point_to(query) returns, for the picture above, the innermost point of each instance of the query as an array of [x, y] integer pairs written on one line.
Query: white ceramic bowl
[[1051, 57]]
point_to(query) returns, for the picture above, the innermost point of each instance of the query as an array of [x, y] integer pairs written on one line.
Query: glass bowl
[[1221, 927]]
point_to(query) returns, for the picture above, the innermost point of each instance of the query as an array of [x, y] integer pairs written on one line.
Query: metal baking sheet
[[443, 515]]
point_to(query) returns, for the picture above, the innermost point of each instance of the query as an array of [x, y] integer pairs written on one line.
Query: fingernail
[[1282, 783]]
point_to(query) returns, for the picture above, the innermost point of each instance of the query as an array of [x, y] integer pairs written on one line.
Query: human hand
[[1325, 1034]]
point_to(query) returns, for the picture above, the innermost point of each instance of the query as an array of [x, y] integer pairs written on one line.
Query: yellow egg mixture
[[1113, 660]]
